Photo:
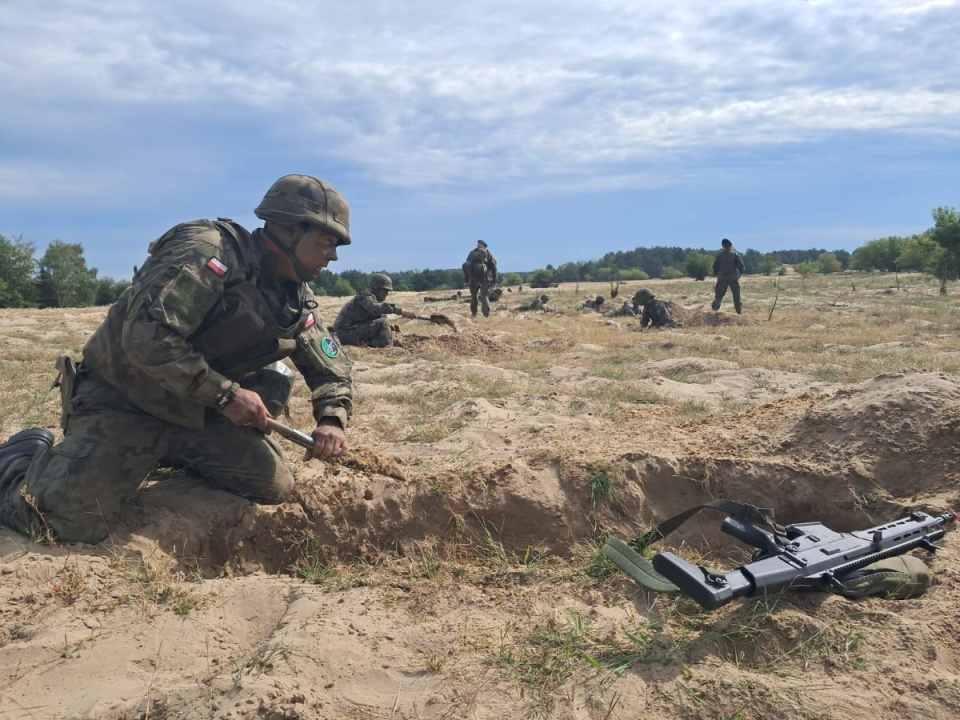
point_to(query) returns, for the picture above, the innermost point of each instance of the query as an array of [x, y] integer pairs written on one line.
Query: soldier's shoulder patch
[[311, 321], [217, 266], [330, 347]]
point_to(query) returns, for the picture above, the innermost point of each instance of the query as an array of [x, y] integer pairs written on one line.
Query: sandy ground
[[449, 567]]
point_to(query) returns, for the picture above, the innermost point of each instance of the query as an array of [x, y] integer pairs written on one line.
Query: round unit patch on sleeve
[[329, 347]]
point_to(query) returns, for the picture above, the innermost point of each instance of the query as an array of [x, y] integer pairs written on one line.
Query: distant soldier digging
[[362, 321], [656, 314]]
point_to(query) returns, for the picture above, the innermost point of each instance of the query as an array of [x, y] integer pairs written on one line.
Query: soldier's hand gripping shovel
[[301, 439]]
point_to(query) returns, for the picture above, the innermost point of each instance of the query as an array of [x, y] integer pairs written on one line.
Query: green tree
[[920, 253], [829, 263], [17, 266], [541, 278], [768, 264], [512, 278], [878, 254], [63, 279], [568, 272], [342, 288], [634, 274], [810, 267], [108, 290], [946, 233], [668, 272], [698, 265]]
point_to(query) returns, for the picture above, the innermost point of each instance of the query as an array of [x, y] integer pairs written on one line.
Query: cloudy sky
[[555, 130]]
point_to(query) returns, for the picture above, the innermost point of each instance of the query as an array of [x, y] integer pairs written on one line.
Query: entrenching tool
[[438, 319], [301, 439]]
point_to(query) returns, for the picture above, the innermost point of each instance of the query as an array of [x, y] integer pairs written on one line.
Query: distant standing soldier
[[362, 321], [479, 273], [727, 266], [539, 303], [655, 312]]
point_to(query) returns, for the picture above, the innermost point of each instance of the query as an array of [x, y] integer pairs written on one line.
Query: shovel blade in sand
[[438, 319]]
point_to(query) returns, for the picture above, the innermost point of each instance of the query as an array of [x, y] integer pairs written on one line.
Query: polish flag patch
[[218, 267], [311, 320]]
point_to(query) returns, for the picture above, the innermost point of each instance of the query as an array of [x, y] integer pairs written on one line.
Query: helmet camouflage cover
[[380, 281], [643, 295], [303, 198], [544, 298]]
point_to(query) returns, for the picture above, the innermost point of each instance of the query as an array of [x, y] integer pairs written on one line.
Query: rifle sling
[[627, 557]]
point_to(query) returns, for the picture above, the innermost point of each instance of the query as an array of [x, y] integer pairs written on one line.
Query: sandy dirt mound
[[449, 566]]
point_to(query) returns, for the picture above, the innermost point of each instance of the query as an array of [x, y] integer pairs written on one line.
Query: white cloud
[[445, 94]]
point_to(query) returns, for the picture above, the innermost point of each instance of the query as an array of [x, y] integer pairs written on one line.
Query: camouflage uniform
[[596, 304], [479, 272], [539, 303], [727, 266], [625, 310], [657, 314], [206, 309], [362, 321]]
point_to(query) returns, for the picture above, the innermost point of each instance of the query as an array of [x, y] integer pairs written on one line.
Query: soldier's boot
[[738, 309], [715, 305], [15, 456], [25, 443]]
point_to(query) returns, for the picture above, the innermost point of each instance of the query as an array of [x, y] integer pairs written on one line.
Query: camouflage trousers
[[479, 291], [721, 289], [79, 486], [376, 333]]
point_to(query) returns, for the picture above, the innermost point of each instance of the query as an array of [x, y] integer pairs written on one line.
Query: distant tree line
[[61, 277]]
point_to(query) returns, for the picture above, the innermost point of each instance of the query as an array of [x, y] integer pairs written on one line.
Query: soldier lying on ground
[[539, 303], [595, 304], [447, 298], [625, 310]]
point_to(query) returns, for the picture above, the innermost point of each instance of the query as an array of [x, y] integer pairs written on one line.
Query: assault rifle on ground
[[804, 555]]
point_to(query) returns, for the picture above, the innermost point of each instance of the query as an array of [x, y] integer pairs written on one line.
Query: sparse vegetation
[[419, 561]]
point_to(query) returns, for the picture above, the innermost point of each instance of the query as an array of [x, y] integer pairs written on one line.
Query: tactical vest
[[244, 335], [239, 335]]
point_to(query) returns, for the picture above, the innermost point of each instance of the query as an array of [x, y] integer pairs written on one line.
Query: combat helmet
[[302, 198], [643, 296], [381, 281], [600, 300], [544, 298]]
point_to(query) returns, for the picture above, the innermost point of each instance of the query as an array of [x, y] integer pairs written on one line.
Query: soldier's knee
[[273, 492]]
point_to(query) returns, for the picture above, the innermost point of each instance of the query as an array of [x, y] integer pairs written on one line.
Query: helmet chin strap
[[291, 252]]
